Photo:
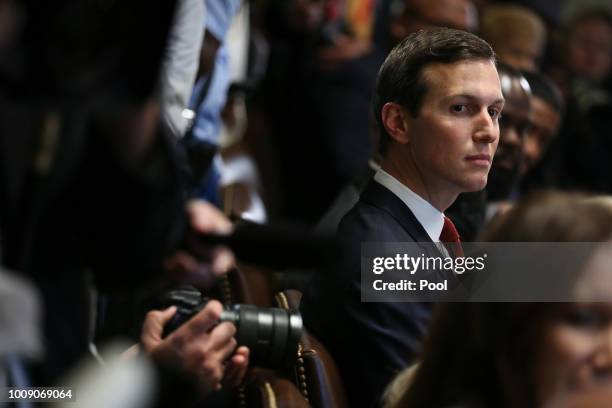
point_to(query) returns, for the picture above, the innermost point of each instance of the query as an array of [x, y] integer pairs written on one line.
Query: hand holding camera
[[202, 347]]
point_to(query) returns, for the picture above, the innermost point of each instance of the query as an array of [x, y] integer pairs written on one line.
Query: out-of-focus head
[[571, 343], [526, 354], [589, 45], [410, 16], [553, 217], [517, 34], [513, 127], [544, 119]]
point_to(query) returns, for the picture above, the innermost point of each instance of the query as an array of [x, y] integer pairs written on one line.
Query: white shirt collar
[[426, 214]]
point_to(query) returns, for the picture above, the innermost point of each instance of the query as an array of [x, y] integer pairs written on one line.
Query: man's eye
[[495, 113], [459, 108]]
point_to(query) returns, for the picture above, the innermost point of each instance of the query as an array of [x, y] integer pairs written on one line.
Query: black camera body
[[271, 334]]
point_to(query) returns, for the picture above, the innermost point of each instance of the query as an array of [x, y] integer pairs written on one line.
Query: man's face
[[453, 138], [513, 128], [543, 125]]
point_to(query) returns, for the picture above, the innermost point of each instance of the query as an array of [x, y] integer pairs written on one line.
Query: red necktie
[[450, 238]]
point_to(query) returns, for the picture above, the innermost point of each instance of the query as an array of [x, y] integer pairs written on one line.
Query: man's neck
[[410, 176]]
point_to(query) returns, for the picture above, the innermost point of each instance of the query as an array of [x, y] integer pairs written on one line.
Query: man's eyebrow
[[474, 98]]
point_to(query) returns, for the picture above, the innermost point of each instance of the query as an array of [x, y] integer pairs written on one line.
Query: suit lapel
[[381, 197]]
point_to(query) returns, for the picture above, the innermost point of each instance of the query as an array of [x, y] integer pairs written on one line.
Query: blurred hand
[[199, 347], [199, 264]]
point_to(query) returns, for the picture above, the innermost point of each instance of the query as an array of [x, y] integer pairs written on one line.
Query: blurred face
[[590, 50], [453, 138], [513, 127], [543, 126], [576, 352], [574, 358]]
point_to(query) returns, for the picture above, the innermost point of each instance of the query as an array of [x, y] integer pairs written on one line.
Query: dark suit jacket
[[371, 342]]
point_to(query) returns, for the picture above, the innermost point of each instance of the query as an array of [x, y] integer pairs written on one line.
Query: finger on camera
[[205, 319], [223, 336], [226, 348], [153, 326]]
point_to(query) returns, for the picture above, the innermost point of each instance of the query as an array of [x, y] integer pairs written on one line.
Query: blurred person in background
[[525, 354], [208, 98], [517, 34], [582, 71], [513, 126], [409, 16], [545, 118], [326, 67], [90, 191], [180, 64], [589, 45]]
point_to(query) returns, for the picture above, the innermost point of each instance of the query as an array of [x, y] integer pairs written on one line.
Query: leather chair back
[[316, 374]]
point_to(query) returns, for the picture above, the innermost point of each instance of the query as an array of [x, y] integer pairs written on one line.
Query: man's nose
[[486, 130]]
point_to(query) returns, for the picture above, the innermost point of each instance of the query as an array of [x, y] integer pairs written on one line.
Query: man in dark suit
[[437, 103]]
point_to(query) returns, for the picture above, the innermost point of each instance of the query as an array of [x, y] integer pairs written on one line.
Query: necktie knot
[[450, 237], [449, 232]]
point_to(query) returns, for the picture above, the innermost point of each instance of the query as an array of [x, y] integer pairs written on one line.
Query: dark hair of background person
[[545, 89], [400, 78], [479, 354]]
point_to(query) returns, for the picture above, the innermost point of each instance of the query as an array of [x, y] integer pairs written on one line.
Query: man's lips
[[479, 159]]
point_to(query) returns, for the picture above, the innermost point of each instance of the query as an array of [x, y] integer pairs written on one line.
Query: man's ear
[[396, 121]]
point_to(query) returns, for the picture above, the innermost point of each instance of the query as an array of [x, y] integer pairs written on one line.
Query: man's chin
[[475, 185]]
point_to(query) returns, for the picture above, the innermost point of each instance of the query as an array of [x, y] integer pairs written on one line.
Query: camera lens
[[271, 334]]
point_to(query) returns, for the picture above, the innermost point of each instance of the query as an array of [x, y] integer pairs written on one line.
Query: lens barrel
[[271, 334]]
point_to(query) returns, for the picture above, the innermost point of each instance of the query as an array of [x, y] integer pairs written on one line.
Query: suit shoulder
[[366, 222]]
